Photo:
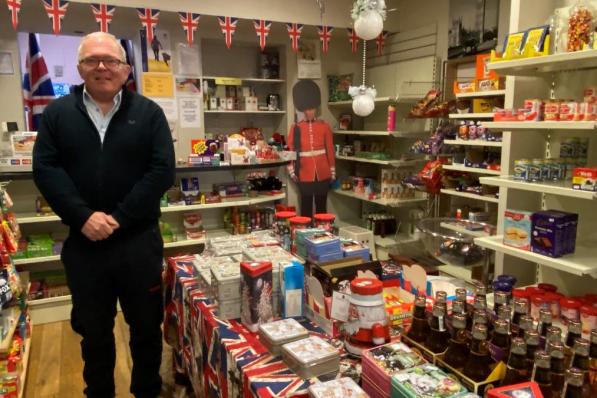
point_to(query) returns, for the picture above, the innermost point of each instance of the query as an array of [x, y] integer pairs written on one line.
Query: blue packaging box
[[324, 258], [354, 249], [321, 244]]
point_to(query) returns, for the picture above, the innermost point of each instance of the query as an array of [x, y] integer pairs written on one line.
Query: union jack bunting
[[149, 20], [262, 28], [294, 31], [190, 23], [380, 41], [103, 14], [325, 34], [56, 10], [228, 26], [354, 39], [14, 6], [38, 91]]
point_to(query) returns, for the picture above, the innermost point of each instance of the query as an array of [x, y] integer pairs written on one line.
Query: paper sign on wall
[[158, 85], [190, 117]]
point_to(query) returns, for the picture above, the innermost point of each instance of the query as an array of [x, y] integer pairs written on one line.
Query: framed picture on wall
[[6, 66], [473, 27]]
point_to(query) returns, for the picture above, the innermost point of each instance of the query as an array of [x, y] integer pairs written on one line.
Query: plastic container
[[548, 287], [538, 302], [297, 223], [311, 357], [570, 309], [274, 335], [282, 227], [588, 319], [520, 294], [324, 221], [533, 291], [340, 388], [553, 300], [256, 294]]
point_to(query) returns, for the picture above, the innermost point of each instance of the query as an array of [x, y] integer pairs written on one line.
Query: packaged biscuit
[[534, 40], [513, 45]]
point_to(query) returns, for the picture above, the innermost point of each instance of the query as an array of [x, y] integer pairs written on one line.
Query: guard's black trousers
[[126, 267], [316, 191]]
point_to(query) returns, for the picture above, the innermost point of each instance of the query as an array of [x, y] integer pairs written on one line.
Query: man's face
[[310, 113], [102, 79]]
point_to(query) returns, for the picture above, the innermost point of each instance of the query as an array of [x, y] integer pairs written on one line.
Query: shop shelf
[[51, 309], [33, 218], [13, 313], [546, 64], [474, 143], [470, 169], [580, 263], [383, 133], [460, 229], [25, 362], [561, 188], [394, 163], [250, 112], [458, 272], [225, 203], [36, 260], [541, 126], [471, 116], [184, 243], [389, 241], [382, 202], [245, 79], [233, 167], [484, 198], [492, 93]]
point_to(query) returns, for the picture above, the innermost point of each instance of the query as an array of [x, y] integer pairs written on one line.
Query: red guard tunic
[[317, 151]]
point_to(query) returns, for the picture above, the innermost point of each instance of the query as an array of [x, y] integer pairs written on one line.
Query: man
[[103, 158]]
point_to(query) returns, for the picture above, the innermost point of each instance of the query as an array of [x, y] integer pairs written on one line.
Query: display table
[[222, 358]]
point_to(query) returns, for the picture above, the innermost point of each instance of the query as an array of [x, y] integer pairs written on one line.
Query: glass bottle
[[580, 359], [574, 384], [505, 312], [457, 352], [481, 291], [544, 321], [542, 373], [441, 296], [520, 309], [460, 294], [516, 370], [558, 369], [437, 339], [554, 334], [574, 332], [500, 299], [477, 365], [533, 342], [420, 327], [479, 306], [525, 325], [458, 307], [501, 338]]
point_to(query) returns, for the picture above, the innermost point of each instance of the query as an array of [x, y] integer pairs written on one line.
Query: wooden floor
[[56, 367]]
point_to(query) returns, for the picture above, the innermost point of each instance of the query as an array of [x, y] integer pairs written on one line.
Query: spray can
[[391, 118]]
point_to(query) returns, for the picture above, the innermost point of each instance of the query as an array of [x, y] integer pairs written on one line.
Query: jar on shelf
[[324, 221], [295, 224]]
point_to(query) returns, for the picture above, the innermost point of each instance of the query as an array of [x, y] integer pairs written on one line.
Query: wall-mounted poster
[[157, 55], [473, 27], [309, 61]]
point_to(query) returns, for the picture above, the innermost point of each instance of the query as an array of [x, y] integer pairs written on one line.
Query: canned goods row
[[537, 170]]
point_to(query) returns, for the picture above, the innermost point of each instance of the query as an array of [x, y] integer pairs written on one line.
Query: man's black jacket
[[125, 176]]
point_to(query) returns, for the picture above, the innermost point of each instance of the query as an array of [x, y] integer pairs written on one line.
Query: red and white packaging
[[588, 319], [534, 109], [590, 94], [568, 110], [587, 111], [552, 111]]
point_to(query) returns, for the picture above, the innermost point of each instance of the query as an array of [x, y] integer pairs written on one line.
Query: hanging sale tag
[[340, 305]]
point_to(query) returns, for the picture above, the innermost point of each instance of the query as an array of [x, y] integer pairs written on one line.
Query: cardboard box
[[518, 229], [483, 105], [585, 178], [479, 388], [528, 389], [481, 67]]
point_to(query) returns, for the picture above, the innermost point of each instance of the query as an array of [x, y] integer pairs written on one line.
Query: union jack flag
[[294, 31], [149, 20], [354, 39], [325, 34], [190, 23], [262, 28], [38, 91], [56, 10], [380, 41], [228, 26], [14, 6], [103, 15]]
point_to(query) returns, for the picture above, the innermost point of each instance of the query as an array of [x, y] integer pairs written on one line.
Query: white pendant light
[[363, 104], [368, 25]]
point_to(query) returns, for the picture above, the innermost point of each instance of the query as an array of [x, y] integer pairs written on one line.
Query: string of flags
[[104, 14]]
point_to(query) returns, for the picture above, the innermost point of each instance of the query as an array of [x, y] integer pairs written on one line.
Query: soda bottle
[[554, 334], [544, 321], [520, 309], [500, 299], [501, 337], [457, 352], [542, 373], [437, 339], [525, 325], [420, 327], [574, 332], [593, 362], [477, 366], [574, 384], [516, 370], [558, 369], [533, 342]]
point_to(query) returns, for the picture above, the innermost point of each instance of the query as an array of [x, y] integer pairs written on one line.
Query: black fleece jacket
[[125, 176]]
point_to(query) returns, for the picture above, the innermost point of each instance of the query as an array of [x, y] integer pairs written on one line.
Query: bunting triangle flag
[[325, 34], [56, 10], [190, 23], [354, 39], [380, 41], [103, 15], [228, 26], [149, 20], [262, 28], [294, 31], [14, 6]]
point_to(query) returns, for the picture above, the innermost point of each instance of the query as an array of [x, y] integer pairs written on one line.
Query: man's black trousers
[[316, 191], [126, 267]]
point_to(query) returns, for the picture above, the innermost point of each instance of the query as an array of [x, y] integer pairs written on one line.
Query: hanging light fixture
[[368, 17], [363, 97]]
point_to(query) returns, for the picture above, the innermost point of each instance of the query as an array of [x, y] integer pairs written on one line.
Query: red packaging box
[[528, 389]]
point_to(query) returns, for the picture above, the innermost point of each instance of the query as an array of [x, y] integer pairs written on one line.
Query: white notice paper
[[340, 305], [188, 60], [168, 105], [190, 116]]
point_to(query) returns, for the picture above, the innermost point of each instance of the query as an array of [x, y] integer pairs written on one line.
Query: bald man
[[103, 158]]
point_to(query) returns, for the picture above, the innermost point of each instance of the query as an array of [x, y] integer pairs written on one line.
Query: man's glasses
[[110, 63]]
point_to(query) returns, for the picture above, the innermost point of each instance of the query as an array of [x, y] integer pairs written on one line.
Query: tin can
[[552, 110], [536, 170], [472, 131], [521, 169], [546, 170], [557, 170], [534, 109], [587, 111], [567, 110]]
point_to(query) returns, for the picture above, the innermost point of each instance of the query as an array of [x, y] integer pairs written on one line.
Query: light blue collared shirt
[[98, 118]]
